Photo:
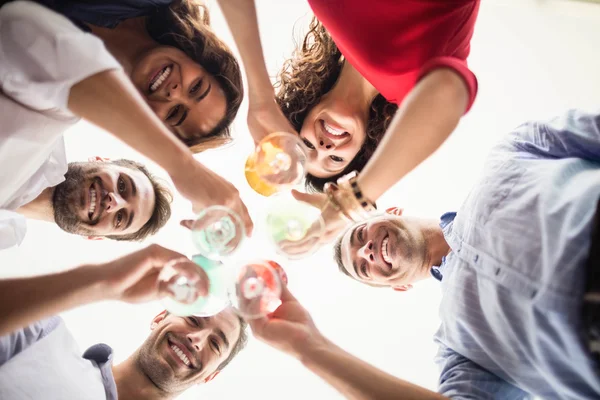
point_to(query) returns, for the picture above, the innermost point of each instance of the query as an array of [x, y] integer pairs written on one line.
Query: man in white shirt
[[42, 360], [117, 199]]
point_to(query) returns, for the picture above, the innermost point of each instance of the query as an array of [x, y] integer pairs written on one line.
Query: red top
[[394, 43]]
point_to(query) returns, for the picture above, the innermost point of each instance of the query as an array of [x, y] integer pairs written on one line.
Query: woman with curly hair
[[339, 115], [151, 72], [359, 62]]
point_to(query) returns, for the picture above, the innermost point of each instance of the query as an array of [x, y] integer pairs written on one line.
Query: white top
[[42, 55]]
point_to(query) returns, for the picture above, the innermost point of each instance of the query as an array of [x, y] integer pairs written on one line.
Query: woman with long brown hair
[[152, 73]]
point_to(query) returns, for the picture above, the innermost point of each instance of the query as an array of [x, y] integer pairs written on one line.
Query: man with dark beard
[[40, 358], [118, 199]]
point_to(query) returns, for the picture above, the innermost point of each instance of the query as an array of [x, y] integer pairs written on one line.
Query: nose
[[326, 143], [366, 251], [172, 91], [114, 202], [198, 339]]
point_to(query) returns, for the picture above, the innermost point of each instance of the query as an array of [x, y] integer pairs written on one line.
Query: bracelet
[[330, 190], [348, 198]]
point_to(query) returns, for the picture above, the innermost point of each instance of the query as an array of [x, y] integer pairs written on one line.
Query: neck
[[354, 88], [435, 243], [127, 42], [133, 384], [40, 208]]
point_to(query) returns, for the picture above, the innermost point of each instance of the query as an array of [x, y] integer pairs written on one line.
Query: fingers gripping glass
[[217, 232], [293, 227], [278, 162], [205, 287]]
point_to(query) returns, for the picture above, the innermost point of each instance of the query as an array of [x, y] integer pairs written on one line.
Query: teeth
[[92, 202], [384, 251], [332, 130], [181, 355], [160, 79]]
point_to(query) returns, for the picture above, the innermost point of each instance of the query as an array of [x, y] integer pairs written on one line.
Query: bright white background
[[534, 59]]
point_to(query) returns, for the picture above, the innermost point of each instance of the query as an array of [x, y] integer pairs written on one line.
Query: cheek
[[308, 126]]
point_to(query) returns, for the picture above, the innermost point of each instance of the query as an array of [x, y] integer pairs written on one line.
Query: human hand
[[334, 223], [289, 328], [265, 117], [134, 278], [205, 188]]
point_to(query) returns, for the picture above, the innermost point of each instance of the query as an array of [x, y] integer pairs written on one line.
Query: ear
[[95, 238], [394, 211], [158, 319], [98, 159], [211, 376], [402, 288]]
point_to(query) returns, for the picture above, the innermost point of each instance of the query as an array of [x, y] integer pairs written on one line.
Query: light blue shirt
[[513, 282], [43, 361]]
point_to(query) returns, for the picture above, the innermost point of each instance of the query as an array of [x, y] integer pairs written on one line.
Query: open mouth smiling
[[333, 132], [159, 78], [94, 196], [181, 353], [385, 253]]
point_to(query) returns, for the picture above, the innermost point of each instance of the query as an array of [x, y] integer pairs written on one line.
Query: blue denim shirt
[[513, 281], [106, 13]]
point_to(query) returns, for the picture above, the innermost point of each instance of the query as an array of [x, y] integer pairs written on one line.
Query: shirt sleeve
[[43, 54], [457, 65], [462, 379], [12, 228], [15, 342], [575, 134]]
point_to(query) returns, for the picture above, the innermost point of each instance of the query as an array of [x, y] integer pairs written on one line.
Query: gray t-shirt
[[43, 361]]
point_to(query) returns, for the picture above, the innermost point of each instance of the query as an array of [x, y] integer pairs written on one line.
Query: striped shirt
[[513, 281]]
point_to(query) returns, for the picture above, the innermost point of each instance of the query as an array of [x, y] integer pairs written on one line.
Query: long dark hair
[[185, 24], [307, 76]]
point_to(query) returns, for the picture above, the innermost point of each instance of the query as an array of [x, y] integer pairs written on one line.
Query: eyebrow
[[223, 338], [182, 119], [133, 193], [352, 244], [203, 95], [132, 184]]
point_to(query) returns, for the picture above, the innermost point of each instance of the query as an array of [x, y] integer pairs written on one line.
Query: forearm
[[110, 101], [26, 300], [424, 121], [356, 379], [243, 23]]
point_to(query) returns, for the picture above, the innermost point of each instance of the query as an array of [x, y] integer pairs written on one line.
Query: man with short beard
[[40, 359], [517, 264], [118, 199]]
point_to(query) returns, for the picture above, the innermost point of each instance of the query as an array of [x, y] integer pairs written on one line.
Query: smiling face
[[181, 352], [385, 251], [182, 93], [334, 131], [100, 198]]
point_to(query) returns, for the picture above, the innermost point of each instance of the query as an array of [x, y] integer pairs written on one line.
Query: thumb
[[187, 223], [258, 325], [312, 199]]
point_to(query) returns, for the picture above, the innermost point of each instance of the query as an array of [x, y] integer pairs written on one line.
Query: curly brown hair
[[306, 77], [185, 24]]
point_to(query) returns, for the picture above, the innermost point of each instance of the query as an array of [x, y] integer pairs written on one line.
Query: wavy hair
[[185, 24], [308, 75]]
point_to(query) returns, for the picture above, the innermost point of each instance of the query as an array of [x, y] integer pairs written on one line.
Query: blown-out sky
[[533, 58]]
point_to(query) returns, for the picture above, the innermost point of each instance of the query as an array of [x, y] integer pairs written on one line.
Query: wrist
[[309, 349], [368, 190], [181, 161]]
